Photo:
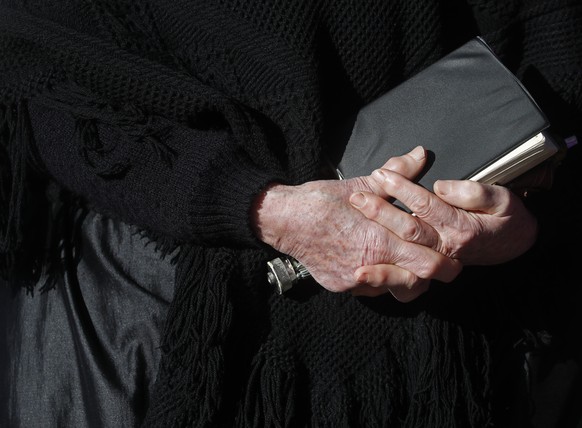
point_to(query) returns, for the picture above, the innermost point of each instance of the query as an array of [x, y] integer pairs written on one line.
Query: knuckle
[[454, 248], [382, 278], [396, 164], [450, 250], [373, 209], [429, 269], [476, 190], [472, 190], [488, 194], [411, 230], [457, 244], [505, 198], [421, 205]]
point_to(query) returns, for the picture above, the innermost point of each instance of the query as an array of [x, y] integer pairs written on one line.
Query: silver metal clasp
[[284, 272]]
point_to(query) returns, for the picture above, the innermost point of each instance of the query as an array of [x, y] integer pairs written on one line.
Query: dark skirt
[[85, 354]]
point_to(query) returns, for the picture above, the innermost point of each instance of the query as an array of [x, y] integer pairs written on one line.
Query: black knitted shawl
[[277, 78]]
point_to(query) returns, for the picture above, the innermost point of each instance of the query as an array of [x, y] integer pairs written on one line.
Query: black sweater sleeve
[[202, 194]]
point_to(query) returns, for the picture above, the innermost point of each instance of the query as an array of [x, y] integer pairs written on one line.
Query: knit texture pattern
[[174, 115]]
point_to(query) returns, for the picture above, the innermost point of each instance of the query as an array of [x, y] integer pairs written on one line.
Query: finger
[[426, 263], [380, 279], [404, 225], [422, 202], [405, 295], [473, 196], [408, 165]]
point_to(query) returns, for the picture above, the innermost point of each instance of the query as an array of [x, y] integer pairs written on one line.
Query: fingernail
[[358, 200], [418, 153], [442, 187]]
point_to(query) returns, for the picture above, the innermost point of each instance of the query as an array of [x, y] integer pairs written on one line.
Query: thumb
[[472, 196]]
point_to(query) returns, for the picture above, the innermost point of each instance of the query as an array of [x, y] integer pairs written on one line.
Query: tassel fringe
[[17, 265], [444, 391], [270, 396], [192, 370], [38, 225], [429, 374], [15, 140]]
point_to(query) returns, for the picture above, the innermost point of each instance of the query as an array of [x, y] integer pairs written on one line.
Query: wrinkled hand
[[315, 224], [474, 223]]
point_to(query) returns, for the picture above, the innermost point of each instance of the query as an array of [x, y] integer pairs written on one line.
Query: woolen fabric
[[174, 115]]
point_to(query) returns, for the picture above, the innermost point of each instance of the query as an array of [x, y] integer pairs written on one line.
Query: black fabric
[[176, 114], [86, 354]]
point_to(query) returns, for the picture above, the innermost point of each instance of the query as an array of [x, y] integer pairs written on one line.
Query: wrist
[[269, 214]]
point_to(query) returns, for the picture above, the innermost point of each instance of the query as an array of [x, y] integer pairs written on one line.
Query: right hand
[[316, 224]]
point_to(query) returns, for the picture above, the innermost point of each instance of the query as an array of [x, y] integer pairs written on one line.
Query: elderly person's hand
[[474, 223], [315, 224]]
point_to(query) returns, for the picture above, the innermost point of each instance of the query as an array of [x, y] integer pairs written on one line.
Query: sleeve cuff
[[221, 214]]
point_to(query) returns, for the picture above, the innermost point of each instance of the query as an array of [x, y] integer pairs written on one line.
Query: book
[[470, 112], [524, 157]]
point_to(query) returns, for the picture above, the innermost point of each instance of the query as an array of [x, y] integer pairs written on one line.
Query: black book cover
[[467, 110]]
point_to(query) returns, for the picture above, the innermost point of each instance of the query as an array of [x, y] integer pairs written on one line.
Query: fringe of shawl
[[38, 223], [446, 374], [271, 398], [191, 374], [430, 373], [15, 142]]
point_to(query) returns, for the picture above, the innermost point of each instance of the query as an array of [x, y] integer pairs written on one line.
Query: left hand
[[474, 223]]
